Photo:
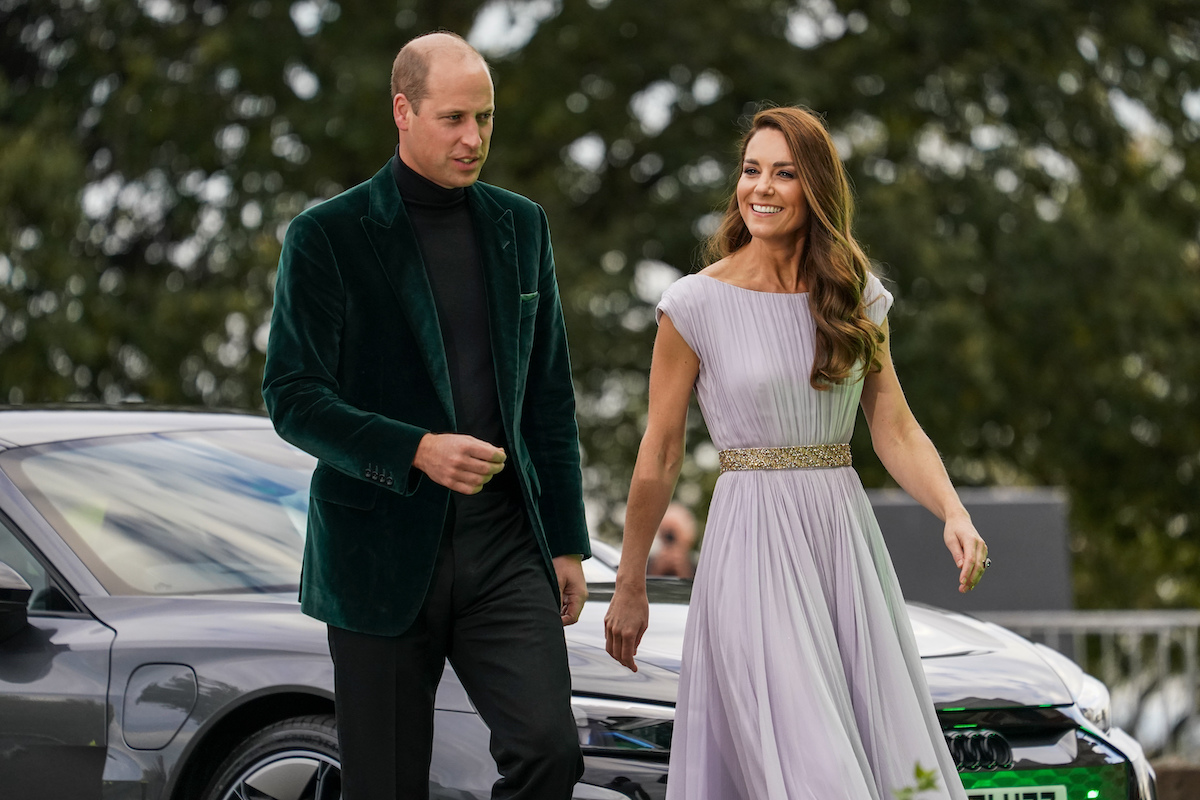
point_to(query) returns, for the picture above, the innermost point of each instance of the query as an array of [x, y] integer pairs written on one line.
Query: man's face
[[447, 142]]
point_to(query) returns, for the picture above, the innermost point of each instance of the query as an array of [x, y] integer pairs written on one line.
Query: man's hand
[[571, 586], [460, 463], [627, 619]]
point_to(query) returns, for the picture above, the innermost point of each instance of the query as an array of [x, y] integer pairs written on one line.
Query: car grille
[[1004, 765]]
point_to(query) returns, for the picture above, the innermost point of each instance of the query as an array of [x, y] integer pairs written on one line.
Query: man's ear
[[401, 109]]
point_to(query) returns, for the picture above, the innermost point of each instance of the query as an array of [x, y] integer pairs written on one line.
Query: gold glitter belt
[[812, 456]]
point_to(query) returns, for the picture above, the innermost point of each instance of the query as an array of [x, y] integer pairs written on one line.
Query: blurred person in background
[[672, 552]]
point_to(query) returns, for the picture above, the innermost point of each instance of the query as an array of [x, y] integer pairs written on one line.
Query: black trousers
[[493, 614]]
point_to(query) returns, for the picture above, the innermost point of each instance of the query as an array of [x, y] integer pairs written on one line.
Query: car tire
[[296, 759]]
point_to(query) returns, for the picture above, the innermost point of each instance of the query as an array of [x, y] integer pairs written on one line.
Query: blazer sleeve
[[548, 423], [300, 379]]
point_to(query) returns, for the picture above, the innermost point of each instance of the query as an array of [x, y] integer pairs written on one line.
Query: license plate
[[1020, 793]]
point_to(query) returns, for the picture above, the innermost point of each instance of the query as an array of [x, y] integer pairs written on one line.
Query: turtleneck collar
[[416, 189]]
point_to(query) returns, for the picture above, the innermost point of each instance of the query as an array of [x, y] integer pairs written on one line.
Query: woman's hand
[[673, 372], [627, 618], [969, 550]]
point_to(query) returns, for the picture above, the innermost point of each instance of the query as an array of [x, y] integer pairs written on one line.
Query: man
[[418, 350]]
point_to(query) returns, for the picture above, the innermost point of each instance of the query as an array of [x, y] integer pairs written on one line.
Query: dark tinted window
[[216, 511]]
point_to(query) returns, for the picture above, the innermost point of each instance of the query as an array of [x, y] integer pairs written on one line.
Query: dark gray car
[[151, 645]]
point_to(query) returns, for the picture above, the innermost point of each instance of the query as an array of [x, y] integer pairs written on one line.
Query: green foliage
[[1026, 177], [924, 780]]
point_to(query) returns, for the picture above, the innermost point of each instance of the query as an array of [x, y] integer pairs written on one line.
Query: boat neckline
[[753, 291]]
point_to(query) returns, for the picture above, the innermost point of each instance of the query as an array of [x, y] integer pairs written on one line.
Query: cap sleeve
[[679, 303], [876, 298]]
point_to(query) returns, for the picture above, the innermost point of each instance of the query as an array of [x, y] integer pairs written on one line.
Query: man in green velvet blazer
[[410, 556]]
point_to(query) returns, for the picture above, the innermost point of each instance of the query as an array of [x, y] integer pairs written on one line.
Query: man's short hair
[[410, 70]]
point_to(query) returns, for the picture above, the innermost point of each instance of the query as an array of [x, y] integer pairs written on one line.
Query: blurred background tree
[[1026, 174]]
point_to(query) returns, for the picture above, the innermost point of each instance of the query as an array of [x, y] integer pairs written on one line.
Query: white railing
[[1149, 659]]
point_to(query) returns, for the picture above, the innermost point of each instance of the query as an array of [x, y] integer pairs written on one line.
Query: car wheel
[[296, 759]]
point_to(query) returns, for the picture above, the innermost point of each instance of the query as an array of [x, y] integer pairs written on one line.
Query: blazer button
[[389, 481]]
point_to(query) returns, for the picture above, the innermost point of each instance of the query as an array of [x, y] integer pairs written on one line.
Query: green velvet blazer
[[356, 374]]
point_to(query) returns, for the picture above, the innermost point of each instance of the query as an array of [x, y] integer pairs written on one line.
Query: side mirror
[[14, 600]]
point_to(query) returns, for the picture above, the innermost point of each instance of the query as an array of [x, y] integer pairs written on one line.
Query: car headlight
[[1089, 693], [623, 725], [1095, 703]]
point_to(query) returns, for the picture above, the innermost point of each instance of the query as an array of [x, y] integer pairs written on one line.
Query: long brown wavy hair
[[832, 264]]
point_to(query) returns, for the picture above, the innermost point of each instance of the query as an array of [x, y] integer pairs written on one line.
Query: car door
[[53, 689]]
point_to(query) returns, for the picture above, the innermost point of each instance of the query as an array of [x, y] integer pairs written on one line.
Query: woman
[[801, 677]]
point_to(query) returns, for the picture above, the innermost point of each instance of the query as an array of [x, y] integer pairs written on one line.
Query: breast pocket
[[529, 307]]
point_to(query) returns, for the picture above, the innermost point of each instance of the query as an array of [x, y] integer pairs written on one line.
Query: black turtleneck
[[441, 220]]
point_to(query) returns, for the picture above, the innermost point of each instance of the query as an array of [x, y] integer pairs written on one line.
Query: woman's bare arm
[[673, 373], [910, 457]]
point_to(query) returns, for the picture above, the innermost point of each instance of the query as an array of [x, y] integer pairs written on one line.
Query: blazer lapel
[[498, 250], [391, 236]]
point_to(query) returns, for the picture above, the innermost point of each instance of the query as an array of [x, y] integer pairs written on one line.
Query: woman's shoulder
[[686, 302], [718, 270], [699, 282], [715, 267], [687, 288], [876, 298]]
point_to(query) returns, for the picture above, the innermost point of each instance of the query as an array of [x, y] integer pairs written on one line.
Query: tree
[[150, 156], [1026, 179]]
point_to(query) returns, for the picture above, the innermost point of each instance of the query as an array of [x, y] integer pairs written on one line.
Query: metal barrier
[[1149, 659]]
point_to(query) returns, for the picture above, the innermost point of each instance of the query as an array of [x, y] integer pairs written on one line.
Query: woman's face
[[769, 192]]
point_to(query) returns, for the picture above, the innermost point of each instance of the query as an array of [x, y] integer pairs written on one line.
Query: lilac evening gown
[[801, 678]]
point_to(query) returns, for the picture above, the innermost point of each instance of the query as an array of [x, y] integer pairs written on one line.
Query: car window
[[602, 566], [201, 512], [16, 555]]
